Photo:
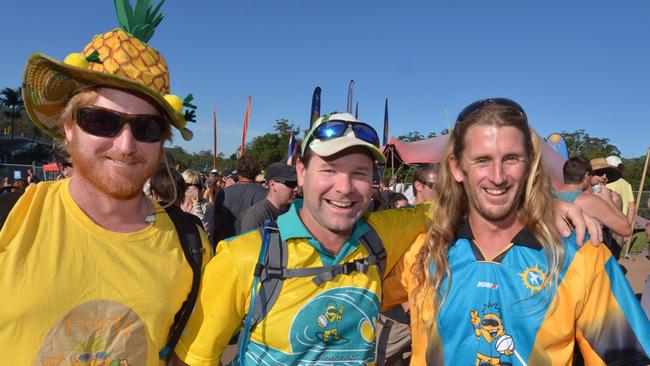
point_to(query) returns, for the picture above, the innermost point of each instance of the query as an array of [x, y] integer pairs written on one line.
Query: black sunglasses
[[336, 128], [473, 107], [103, 122], [290, 184]]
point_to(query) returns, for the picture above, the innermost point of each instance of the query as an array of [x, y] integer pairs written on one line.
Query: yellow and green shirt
[[308, 325], [74, 293]]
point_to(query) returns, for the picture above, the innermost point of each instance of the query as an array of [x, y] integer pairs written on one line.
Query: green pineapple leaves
[[187, 102], [190, 115], [141, 22]]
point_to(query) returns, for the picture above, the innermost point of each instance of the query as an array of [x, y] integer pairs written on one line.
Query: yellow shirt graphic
[[74, 293]]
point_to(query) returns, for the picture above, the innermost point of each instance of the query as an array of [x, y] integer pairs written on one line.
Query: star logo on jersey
[[533, 278]]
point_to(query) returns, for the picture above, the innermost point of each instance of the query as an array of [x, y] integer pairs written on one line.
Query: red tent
[[429, 151], [51, 167]]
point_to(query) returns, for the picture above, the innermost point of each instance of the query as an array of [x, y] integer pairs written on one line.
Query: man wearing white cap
[[326, 307]]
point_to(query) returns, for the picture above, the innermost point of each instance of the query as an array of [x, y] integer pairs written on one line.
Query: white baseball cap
[[356, 133], [614, 161]]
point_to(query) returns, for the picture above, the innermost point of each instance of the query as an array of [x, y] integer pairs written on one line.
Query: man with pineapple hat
[[93, 272]]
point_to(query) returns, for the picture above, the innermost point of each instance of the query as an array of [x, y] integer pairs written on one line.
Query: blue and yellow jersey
[[308, 325], [497, 312]]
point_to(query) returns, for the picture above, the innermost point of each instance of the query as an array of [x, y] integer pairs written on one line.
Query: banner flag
[[557, 142], [350, 96], [245, 129], [315, 106], [385, 122]]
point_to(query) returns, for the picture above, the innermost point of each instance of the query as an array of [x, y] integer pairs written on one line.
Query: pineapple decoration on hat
[[120, 58]]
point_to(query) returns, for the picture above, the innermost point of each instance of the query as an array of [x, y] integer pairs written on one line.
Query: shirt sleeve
[[221, 305], [398, 229], [611, 326], [401, 282]]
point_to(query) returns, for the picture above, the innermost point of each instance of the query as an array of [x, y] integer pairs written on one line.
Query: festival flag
[[315, 106], [350, 97], [243, 136], [356, 111], [291, 149], [385, 122], [214, 137], [557, 142]]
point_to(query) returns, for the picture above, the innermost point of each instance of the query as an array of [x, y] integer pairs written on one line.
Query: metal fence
[[19, 171]]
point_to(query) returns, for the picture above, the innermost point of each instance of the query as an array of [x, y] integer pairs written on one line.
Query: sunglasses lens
[[331, 129], [148, 128], [366, 133], [99, 122], [291, 184]]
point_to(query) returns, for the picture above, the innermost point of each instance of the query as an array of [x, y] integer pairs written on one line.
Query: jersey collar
[[523, 238]]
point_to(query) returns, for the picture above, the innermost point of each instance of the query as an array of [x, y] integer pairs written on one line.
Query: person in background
[[170, 190], [282, 182], [62, 159], [596, 203], [231, 201]]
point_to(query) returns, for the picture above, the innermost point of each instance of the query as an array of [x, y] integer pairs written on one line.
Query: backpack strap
[[373, 244], [193, 250], [272, 273]]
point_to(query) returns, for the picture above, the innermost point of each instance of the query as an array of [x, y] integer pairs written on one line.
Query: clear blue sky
[[570, 64]]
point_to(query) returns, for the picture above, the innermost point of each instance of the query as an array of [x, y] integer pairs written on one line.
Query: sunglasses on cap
[[103, 122], [336, 128], [473, 107]]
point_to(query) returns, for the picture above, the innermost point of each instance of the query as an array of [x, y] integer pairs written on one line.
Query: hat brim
[[336, 145], [49, 84]]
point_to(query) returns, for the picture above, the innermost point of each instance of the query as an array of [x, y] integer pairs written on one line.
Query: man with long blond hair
[[494, 283]]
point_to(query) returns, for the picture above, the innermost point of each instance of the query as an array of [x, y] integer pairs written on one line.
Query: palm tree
[[12, 99]]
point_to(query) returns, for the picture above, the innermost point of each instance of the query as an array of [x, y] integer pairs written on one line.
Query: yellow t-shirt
[[319, 324], [622, 187], [74, 293]]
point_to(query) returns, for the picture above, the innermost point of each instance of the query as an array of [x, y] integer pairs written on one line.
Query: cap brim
[[48, 84], [336, 145]]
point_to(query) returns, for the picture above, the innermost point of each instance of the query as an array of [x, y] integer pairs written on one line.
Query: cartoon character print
[[96, 358], [329, 322], [493, 342]]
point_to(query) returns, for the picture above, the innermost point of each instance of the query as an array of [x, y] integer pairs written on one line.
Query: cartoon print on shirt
[[493, 342], [329, 322]]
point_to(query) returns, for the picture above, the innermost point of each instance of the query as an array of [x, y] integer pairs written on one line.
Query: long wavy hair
[[431, 267]]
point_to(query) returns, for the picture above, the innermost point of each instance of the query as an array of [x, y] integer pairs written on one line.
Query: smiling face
[[117, 166], [492, 169], [337, 190]]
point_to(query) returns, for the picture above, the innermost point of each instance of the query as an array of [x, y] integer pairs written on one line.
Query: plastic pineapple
[[120, 58], [124, 51]]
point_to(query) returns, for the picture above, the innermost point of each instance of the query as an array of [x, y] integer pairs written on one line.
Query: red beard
[[120, 182]]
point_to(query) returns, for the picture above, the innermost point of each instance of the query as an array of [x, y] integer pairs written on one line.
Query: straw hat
[[119, 58]]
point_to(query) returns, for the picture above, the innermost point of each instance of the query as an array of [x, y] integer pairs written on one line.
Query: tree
[[12, 99], [411, 136], [581, 144], [272, 147]]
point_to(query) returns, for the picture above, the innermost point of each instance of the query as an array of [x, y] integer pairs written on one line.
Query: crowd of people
[[128, 261]]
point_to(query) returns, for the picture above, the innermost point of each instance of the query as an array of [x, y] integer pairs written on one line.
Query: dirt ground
[[638, 270]]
